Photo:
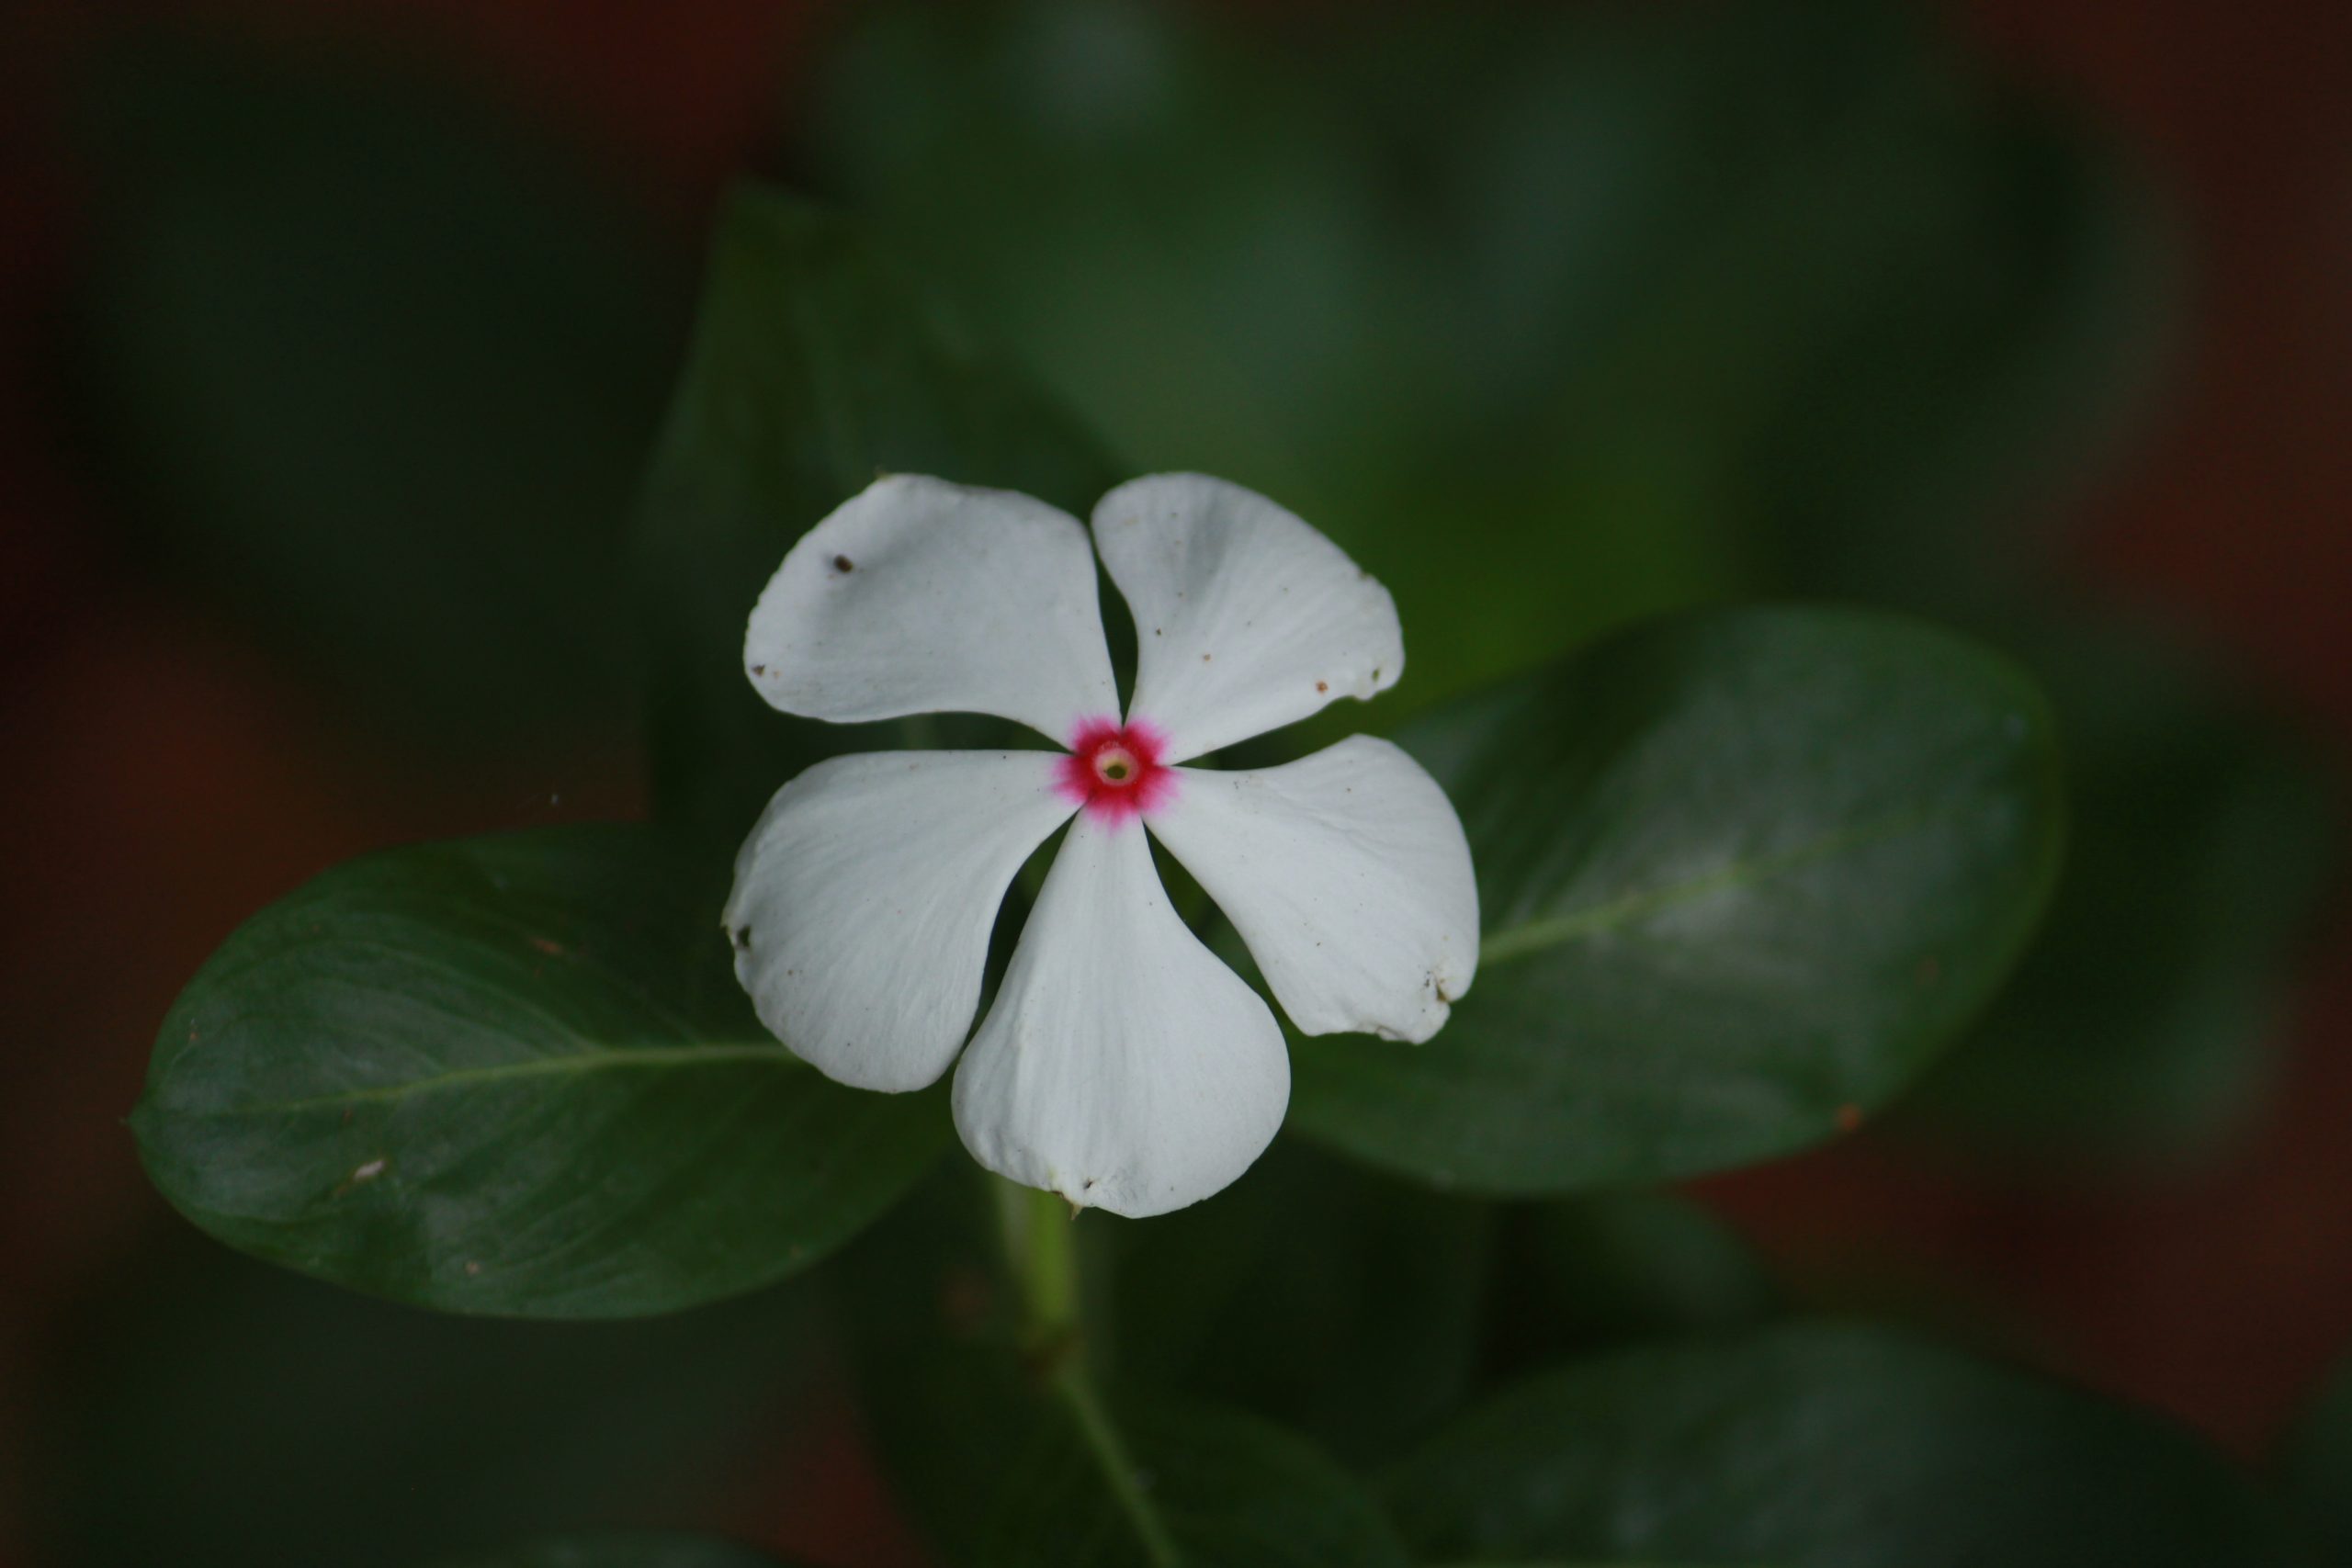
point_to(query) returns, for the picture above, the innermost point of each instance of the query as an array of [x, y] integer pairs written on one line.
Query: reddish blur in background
[[171, 768]]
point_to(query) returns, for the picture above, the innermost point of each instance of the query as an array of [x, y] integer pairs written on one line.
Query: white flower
[[1123, 1066]]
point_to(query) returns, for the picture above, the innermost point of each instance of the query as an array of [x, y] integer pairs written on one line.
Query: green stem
[[1095, 1424], [1042, 1251], [1040, 1248]]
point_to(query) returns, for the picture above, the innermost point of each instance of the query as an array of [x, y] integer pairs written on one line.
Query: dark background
[[180, 748]]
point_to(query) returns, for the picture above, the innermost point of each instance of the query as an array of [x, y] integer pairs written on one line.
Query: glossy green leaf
[[510, 1075], [626, 1549], [816, 364], [381, 364], [1742, 875], [1011, 1454], [1823, 1447]]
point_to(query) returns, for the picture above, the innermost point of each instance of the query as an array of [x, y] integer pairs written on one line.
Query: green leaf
[[382, 366], [628, 1550], [1315, 1293], [205, 1408], [2143, 1023], [1009, 1454], [1551, 318], [1816, 1445], [1743, 874], [510, 1075], [1617, 1265], [816, 364]]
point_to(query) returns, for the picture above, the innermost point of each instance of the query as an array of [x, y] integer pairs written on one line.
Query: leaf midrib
[[1556, 931], [576, 1062]]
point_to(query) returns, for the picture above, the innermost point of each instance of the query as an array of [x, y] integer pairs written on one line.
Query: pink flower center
[[1113, 770]]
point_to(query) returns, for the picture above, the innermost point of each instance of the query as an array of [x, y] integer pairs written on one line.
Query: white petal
[[921, 596], [1348, 875], [1122, 1064], [864, 901], [1245, 618]]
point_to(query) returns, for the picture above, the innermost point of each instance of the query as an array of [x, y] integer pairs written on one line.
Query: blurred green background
[[336, 343]]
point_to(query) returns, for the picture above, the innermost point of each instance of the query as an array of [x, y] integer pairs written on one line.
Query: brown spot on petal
[[1322, 685], [759, 669], [843, 563]]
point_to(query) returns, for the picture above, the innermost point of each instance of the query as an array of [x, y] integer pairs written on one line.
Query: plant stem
[[1040, 1248], [1043, 1253]]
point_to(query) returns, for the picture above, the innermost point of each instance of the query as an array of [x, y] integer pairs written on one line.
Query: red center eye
[[1113, 770]]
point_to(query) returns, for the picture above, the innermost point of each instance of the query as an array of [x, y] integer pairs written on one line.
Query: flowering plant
[[1207, 1291], [1738, 875]]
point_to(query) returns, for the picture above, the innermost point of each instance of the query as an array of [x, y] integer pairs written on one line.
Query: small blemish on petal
[[843, 563], [1206, 657], [759, 669], [1322, 685]]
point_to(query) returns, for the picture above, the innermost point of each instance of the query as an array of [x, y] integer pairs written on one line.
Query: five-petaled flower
[[1122, 1064]]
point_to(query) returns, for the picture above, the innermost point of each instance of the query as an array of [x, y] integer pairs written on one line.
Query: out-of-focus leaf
[[199, 1409], [621, 1550], [1742, 875], [1192, 251], [1552, 318], [1005, 1460], [1340, 1303], [1642, 1264], [384, 367], [2204, 836], [1823, 1447], [1207, 254], [510, 1075], [816, 365], [2314, 1468]]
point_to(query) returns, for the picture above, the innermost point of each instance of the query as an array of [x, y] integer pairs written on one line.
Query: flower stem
[[1040, 1248], [1043, 1253]]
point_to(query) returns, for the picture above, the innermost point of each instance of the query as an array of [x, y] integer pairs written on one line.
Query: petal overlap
[[921, 596], [1348, 878], [864, 899], [1122, 1064], [1245, 618]]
